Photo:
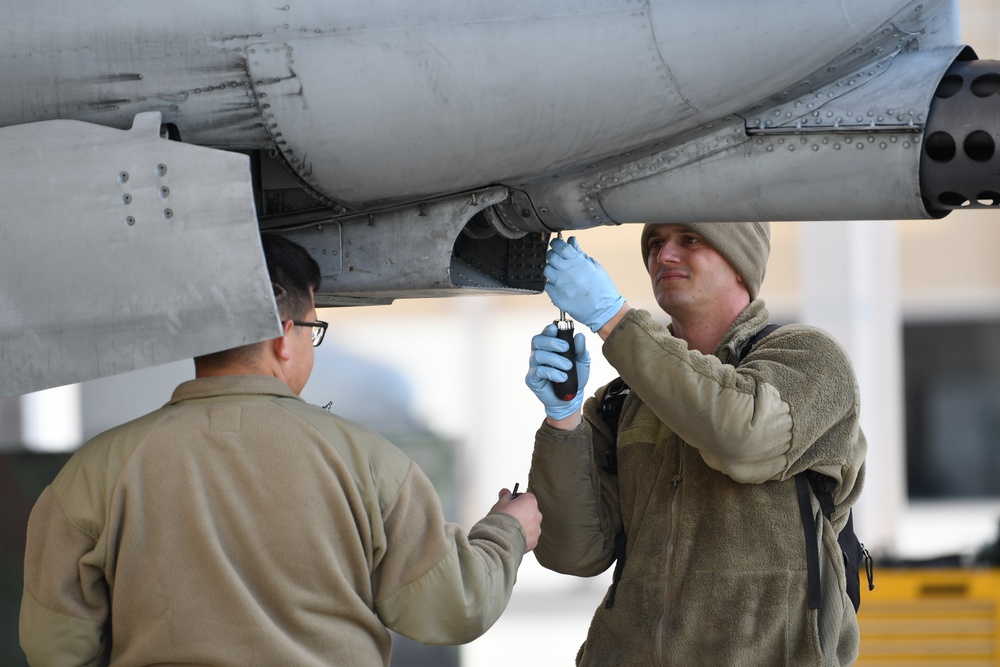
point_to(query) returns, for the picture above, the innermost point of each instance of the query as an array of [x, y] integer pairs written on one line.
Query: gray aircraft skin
[[429, 148]]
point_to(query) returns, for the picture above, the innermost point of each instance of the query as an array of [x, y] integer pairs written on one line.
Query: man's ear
[[280, 345]]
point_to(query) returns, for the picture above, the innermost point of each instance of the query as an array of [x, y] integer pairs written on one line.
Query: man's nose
[[667, 252]]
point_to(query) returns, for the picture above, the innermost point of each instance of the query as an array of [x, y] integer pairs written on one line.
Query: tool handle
[[566, 391]]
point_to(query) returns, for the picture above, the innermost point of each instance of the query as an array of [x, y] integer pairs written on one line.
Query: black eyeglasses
[[318, 330]]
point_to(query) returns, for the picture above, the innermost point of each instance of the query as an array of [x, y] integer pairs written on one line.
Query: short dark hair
[[295, 276]]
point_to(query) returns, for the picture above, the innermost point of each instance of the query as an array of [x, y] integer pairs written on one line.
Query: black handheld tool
[[566, 391]]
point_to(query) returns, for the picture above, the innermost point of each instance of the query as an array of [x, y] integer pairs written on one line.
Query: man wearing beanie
[[695, 476]]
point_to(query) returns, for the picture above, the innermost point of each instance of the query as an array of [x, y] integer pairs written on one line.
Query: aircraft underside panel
[[424, 250], [847, 151], [458, 93], [121, 250]]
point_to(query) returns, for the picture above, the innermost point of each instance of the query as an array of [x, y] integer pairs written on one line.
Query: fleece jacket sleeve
[[752, 423], [436, 583], [579, 505]]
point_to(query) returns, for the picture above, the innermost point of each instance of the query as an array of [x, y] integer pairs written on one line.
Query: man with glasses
[[238, 525], [318, 330]]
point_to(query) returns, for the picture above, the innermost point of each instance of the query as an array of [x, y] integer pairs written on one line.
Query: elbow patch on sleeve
[[51, 638], [756, 448], [454, 602], [416, 535], [56, 569]]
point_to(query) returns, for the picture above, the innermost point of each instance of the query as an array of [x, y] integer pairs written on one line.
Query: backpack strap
[[853, 550], [621, 541], [752, 343], [610, 409], [812, 549], [823, 486]]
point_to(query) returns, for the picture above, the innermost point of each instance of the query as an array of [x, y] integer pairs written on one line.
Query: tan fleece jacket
[[239, 525], [715, 571]]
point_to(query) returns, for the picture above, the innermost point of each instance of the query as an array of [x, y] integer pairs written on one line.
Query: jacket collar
[[227, 385], [753, 318]]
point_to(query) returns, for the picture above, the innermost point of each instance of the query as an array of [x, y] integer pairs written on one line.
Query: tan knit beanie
[[745, 245]]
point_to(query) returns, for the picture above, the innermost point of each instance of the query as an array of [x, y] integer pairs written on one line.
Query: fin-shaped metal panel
[[121, 250]]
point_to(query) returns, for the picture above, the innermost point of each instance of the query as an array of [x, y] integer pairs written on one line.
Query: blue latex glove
[[546, 366], [579, 285]]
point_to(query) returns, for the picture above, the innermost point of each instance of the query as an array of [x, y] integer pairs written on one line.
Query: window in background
[[952, 385]]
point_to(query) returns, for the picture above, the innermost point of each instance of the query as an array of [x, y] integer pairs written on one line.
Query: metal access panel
[[121, 250]]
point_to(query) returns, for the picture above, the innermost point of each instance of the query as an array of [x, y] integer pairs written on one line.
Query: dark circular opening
[[988, 198], [950, 84], [940, 147], [478, 227], [953, 199], [979, 146], [986, 85]]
